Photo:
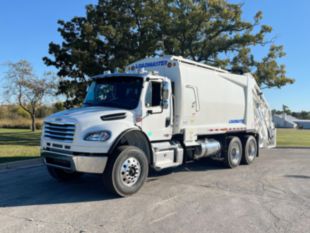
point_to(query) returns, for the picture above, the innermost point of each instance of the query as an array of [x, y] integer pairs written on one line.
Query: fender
[[134, 137]]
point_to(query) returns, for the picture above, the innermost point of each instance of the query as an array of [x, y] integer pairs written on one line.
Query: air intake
[[113, 117]]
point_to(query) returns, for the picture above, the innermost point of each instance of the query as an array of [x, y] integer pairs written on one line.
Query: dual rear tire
[[250, 150], [238, 152]]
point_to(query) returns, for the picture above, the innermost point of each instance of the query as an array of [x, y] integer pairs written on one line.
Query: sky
[[27, 27]]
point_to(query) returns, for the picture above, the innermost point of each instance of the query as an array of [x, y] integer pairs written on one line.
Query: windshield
[[117, 92]]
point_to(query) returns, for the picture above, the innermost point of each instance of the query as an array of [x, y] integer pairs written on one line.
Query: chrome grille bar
[[60, 132]]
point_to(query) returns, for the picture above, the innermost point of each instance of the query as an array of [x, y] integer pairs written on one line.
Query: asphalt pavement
[[271, 195]]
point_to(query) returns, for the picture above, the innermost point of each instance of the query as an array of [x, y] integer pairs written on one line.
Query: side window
[[153, 94]]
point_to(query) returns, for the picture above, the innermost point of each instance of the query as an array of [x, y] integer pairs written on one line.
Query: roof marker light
[[141, 71]]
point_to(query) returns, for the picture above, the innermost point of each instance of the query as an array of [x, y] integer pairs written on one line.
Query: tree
[[58, 106], [304, 115], [286, 109], [115, 33], [27, 89]]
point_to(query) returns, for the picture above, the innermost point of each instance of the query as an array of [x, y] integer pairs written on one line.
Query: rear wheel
[[126, 171], [63, 175], [250, 150], [233, 155]]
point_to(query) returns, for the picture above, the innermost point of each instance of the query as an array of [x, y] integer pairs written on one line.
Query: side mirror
[[165, 90], [165, 94], [165, 104]]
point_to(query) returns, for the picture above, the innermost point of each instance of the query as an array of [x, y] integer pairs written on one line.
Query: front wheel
[[126, 171]]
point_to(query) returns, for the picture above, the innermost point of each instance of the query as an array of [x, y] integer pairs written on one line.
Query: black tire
[[233, 154], [123, 177], [250, 150], [63, 175]]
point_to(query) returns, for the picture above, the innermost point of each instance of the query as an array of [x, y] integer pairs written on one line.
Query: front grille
[[60, 132]]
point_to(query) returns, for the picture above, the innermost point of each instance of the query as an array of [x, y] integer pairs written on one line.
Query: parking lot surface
[[271, 195]]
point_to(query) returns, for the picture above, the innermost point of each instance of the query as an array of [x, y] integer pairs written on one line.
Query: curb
[[292, 147], [21, 164]]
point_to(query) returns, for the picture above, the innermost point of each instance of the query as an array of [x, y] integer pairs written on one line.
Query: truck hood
[[87, 114], [86, 120]]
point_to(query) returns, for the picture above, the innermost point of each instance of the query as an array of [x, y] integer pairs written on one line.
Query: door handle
[[168, 121]]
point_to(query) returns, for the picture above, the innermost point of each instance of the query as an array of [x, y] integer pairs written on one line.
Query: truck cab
[[144, 97], [126, 111]]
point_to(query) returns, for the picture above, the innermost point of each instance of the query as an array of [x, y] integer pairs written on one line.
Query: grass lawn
[[17, 144], [293, 137]]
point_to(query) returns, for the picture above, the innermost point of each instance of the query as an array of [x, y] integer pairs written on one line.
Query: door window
[[153, 95]]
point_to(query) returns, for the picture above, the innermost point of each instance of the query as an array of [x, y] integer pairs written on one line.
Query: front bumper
[[75, 161]]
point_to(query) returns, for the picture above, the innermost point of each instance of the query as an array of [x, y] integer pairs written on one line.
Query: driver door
[[157, 120]]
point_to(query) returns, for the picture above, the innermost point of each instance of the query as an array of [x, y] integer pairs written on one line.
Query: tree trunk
[[33, 123]]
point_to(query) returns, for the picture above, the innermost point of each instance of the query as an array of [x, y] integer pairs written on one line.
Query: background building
[[287, 121]]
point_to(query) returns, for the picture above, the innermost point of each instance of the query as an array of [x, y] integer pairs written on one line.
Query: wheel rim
[[130, 171], [252, 150], [235, 153]]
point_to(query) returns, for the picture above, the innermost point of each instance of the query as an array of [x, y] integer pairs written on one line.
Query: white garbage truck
[[160, 113]]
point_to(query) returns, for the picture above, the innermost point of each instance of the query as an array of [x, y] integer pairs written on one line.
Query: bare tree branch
[[26, 89]]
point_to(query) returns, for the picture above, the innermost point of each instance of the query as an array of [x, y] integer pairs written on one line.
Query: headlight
[[99, 136]]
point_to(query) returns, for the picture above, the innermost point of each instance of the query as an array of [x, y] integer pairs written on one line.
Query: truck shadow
[[34, 186], [17, 158], [204, 164]]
